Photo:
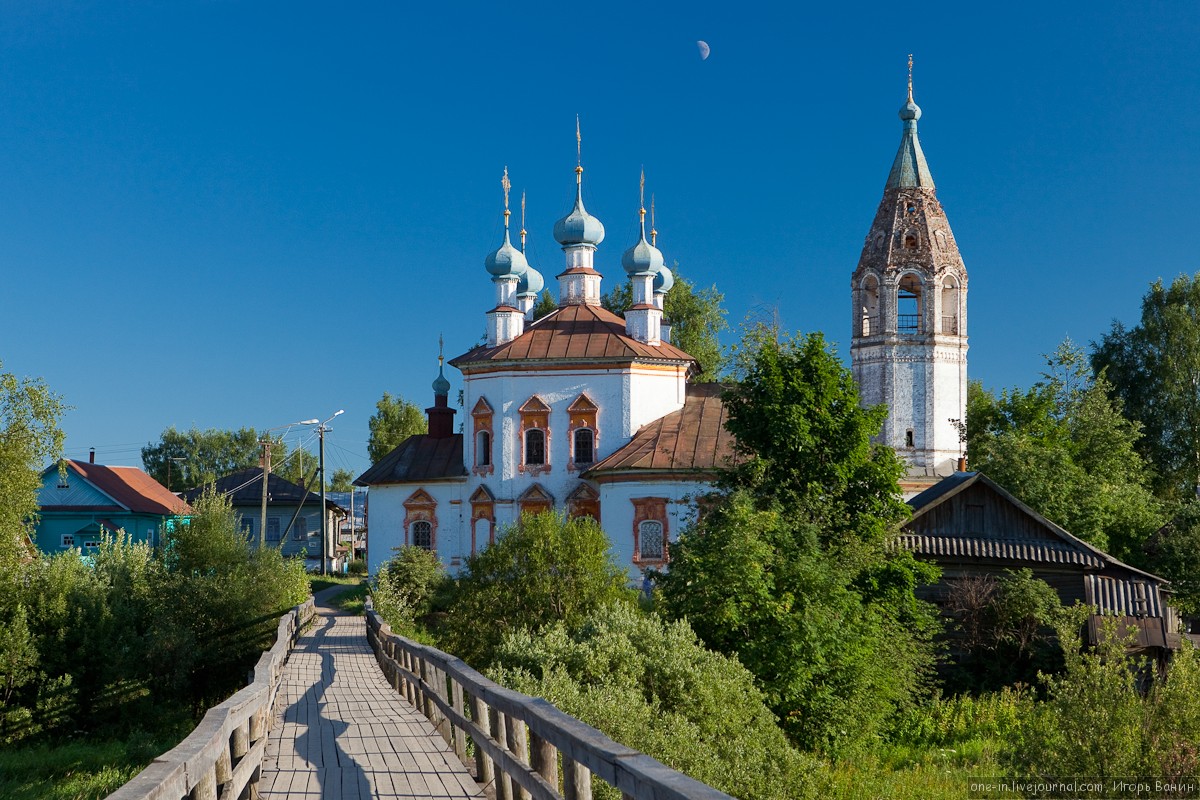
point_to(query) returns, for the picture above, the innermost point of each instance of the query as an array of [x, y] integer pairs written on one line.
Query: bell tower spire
[[909, 314]]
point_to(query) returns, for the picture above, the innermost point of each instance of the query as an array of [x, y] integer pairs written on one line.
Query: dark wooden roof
[[128, 486], [574, 332], [1041, 542], [244, 488], [692, 439], [418, 458]]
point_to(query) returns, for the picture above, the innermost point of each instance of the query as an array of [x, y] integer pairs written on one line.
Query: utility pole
[[266, 465], [324, 516]]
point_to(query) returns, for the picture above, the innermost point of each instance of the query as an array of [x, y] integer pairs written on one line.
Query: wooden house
[[969, 525]]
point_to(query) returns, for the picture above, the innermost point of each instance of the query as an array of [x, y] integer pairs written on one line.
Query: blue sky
[[229, 214]]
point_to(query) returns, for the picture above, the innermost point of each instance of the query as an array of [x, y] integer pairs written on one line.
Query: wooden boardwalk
[[341, 732]]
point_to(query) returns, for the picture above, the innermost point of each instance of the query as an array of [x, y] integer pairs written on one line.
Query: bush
[[540, 571], [405, 586], [652, 686], [357, 567]]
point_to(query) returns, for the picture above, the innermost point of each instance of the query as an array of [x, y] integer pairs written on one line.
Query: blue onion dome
[[441, 386], [530, 283], [579, 227], [910, 110], [508, 260], [643, 258], [663, 281]]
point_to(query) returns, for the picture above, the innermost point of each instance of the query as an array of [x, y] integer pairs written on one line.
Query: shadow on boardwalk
[[341, 732]]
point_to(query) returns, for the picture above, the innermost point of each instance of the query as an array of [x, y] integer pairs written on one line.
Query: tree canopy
[[195, 457], [696, 318], [30, 440], [1154, 369], [394, 420], [790, 569], [1064, 448]]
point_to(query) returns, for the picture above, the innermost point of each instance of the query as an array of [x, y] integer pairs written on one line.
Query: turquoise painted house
[[82, 500]]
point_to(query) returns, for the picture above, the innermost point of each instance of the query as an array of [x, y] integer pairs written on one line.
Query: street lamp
[[324, 426], [265, 441]]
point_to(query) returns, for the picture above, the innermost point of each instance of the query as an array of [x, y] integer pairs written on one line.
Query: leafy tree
[[394, 420], [1154, 369], [544, 305], [405, 586], [1173, 552], [1064, 448], [1003, 630], [791, 569], [542, 570], [342, 481], [652, 686], [30, 438], [696, 317], [196, 457]]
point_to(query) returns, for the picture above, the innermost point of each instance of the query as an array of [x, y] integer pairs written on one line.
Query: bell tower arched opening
[[950, 307], [868, 306], [909, 305]]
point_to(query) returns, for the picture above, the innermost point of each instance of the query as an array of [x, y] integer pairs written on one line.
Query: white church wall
[[617, 512], [386, 514]]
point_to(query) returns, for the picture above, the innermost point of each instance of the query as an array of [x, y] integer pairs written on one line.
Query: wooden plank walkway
[[340, 732]]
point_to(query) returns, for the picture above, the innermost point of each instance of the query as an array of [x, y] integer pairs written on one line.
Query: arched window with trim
[[585, 451], [535, 446], [651, 546], [421, 533]]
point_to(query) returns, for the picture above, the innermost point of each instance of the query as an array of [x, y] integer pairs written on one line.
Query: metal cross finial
[[653, 232], [441, 351], [578, 144], [522, 220], [642, 190], [507, 184], [910, 77]]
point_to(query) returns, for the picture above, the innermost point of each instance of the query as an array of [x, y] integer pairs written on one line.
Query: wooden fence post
[[518, 746], [577, 781], [484, 771], [543, 758], [503, 787], [460, 735]]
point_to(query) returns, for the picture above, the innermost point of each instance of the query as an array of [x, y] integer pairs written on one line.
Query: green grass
[[81, 769], [318, 582], [352, 600]]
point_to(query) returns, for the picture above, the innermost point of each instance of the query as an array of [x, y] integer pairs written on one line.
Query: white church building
[[594, 415]]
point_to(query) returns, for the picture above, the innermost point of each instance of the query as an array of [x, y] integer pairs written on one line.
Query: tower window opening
[[910, 241], [535, 446], [950, 308], [868, 304], [908, 305], [908, 438]]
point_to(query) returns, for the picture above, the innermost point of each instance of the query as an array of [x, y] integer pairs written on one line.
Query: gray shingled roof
[[418, 458]]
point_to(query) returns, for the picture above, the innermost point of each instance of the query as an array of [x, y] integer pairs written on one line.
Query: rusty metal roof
[[574, 332], [418, 458], [129, 486], [692, 439]]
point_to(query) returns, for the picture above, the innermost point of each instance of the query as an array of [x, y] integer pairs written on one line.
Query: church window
[[649, 530], [650, 541], [422, 534], [584, 453], [483, 449], [535, 447], [908, 438], [910, 241], [481, 416], [535, 437], [582, 415]]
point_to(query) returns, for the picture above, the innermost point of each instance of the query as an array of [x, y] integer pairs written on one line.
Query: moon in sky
[[704, 50]]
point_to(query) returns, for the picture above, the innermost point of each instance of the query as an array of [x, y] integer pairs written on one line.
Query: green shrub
[[357, 567], [652, 686], [404, 587], [542, 570]]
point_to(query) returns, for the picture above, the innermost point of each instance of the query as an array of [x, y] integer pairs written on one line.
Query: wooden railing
[[224, 754], [526, 746]]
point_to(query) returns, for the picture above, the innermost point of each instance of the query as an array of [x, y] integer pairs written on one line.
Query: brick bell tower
[[909, 340]]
